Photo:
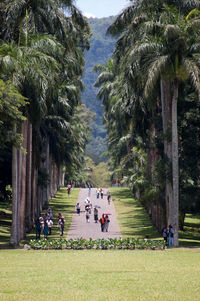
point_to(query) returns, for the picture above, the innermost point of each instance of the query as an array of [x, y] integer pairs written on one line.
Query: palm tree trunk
[[175, 165], [166, 119], [14, 239], [23, 182], [28, 217]]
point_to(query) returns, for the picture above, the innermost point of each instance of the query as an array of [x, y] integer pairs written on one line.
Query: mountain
[[101, 49]]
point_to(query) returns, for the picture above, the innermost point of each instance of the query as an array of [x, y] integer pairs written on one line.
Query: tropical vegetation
[[151, 83], [41, 63]]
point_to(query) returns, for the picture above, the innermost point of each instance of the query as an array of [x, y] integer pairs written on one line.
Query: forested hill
[[100, 51]]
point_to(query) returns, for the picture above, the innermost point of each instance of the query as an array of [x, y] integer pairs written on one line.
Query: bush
[[101, 244]]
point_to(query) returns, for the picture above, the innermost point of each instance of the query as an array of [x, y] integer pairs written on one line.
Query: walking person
[[68, 189], [87, 216], [49, 224], [106, 223], [89, 191], [108, 197], [98, 192], [101, 192], [78, 208], [96, 215], [102, 222]]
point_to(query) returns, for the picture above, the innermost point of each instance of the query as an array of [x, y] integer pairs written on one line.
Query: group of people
[[99, 193], [44, 224], [168, 235], [104, 220]]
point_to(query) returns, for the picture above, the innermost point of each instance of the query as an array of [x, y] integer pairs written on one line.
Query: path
[[80, 228]]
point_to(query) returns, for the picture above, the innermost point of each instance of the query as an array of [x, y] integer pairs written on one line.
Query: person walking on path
[[81, 228], [108, 197], [98, 192], [87, 216], [102, 222], [106, 223], [78, 208], [96, 215], [101, 192]]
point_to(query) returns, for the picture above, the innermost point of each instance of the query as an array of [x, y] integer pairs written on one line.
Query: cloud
[[89, 15]]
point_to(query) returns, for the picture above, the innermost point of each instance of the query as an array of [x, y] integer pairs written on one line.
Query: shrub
[[102, 244]]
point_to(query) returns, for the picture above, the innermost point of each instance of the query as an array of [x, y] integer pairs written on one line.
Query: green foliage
[[98, 244], [11, 104]]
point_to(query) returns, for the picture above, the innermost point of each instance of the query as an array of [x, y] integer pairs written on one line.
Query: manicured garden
[[114, 269]]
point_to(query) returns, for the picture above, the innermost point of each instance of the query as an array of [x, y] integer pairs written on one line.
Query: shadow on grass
[[132, 217], [135, 221]]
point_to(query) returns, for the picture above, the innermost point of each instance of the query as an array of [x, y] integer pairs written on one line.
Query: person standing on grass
[[171, 236], [50, 224], [38, 228], [68, 189], [42, 224], [165, 234], [46, 230], [61, 223]]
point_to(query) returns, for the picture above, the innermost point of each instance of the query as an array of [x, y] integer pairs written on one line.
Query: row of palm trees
[[41, 54], [157, 52]]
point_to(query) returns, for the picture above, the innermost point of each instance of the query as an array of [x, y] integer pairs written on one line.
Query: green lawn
[[132, 217], [63, 203], [100, 275], [135, 222]]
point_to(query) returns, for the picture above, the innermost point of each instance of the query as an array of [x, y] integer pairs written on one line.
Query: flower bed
[[98, 244]]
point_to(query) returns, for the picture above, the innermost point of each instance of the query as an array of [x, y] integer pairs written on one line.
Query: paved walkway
[[80, 228]]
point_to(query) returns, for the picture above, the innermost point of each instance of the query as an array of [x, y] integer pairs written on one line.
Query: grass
[[59, 275], [99, 275], [63, 203], [132, 217], [135, 222], [5, 223]]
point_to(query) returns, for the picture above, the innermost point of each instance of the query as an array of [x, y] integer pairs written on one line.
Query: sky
[[101, 8]]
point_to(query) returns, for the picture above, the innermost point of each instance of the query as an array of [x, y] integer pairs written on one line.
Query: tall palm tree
[[165, 48]]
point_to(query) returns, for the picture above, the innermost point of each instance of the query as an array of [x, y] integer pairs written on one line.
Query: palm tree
[[166, 48]]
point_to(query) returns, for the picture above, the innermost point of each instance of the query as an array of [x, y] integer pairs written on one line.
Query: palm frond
[[157, 67], [194, 73]]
